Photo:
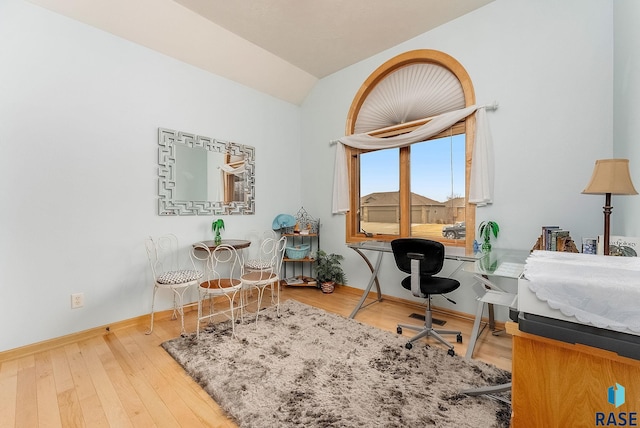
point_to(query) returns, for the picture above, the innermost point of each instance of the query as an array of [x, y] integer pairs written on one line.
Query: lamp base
[[607, 214]]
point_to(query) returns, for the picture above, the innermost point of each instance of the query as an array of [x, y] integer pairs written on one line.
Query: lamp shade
[[611, 176]]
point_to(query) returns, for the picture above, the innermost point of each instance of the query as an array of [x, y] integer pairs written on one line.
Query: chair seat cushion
[[257, 264], [179, 276], [433, 285]]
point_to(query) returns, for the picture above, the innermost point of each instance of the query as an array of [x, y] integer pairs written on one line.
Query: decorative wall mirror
[[204, 176]]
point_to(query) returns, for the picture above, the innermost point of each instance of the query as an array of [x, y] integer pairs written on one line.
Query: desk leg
[[492, 317], [490, 309], [374, 278], [475, 331], [489, 391]]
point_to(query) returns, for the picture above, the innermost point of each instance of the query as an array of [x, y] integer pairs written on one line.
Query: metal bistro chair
[[163, 254], [254, 256], [222, 285], [423, 259], [272, 252]]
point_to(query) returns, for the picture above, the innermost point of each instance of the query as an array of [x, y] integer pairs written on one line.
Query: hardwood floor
[[124, 378]]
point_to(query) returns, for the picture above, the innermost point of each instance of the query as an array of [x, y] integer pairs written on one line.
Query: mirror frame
[[167, 139]]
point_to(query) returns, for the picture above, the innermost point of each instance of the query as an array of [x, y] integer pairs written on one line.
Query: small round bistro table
[[238, 244]]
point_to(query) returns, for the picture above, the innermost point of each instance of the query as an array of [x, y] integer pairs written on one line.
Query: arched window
[[419, 190]]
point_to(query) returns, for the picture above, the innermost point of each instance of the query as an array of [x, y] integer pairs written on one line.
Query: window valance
[[482, 168]]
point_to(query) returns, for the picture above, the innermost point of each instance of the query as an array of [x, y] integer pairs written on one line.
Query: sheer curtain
[[482, 176], [224, 170]]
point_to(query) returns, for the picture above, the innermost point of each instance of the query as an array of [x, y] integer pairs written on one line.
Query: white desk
[[497, 263], [382, 247]]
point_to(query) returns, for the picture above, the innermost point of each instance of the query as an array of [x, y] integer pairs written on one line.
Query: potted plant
[[216, 227], [486, 229], [329, 271]]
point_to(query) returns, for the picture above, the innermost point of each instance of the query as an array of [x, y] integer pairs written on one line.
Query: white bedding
[[598, 290]]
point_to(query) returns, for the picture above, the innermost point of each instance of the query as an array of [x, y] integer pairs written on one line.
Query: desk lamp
[[610, 176]]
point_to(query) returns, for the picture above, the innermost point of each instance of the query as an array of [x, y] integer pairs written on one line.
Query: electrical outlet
[[77, 300]]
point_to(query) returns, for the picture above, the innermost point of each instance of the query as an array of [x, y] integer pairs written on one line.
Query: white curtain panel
[[231, 170], [227, 169], [482, 168], [481, 186]]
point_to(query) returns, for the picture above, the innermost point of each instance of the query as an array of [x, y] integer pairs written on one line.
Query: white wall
[[626, 137], [80, 108], [549, 65], [79, 113]]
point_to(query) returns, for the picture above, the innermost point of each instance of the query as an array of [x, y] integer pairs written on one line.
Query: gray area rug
[[310, 368]]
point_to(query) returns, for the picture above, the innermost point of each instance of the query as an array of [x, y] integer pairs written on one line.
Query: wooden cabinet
[[558, 384], [299, 271]]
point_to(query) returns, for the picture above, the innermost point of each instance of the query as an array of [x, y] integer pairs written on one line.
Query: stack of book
[[554, 238]]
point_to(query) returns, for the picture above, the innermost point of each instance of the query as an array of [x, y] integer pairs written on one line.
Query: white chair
[[272, 253], [164, 259], [222, 285], [253, 256]]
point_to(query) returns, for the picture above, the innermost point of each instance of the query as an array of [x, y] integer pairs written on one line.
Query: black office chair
[[423, 258]]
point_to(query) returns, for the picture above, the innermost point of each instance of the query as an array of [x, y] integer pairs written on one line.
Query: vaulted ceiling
[[280, 47]]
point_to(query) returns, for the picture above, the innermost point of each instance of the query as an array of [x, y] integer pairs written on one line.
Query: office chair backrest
[[433, 252]]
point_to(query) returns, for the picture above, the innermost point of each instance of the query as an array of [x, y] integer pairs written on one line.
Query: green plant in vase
[[486, 229], [216, 227], [329, 271]]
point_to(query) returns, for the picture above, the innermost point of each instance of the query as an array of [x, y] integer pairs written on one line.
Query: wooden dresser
[[558, 384]]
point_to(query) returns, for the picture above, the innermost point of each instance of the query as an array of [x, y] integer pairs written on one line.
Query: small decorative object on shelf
[[329, 271], [486, 229], [216, 227], [589, 245], [306, 222]]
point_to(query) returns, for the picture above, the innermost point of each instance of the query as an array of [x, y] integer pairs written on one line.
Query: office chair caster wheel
[[399, 330], [451, 352], [459, 338], [409, 345]]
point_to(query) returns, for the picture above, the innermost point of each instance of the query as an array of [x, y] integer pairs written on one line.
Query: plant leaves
[[495, 228], [217, 225], [488, 228]]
